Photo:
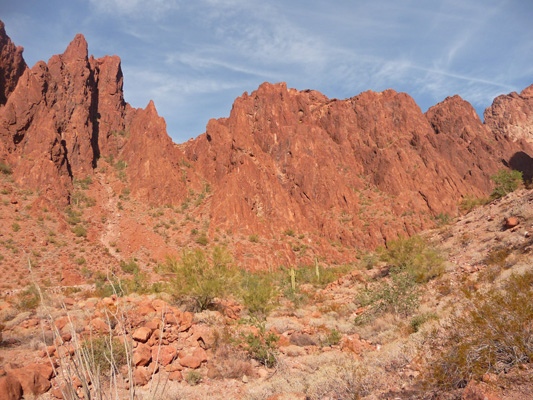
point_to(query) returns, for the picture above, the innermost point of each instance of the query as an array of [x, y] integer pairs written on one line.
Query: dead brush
[[491, 334], [98, 366]]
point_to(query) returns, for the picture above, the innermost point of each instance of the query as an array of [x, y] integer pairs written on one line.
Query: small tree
[[506, 182], [201, 278]]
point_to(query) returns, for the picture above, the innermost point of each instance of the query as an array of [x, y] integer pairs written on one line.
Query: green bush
[[200, 278], [506, 182], [202, 240], [470, 202], [15, 227], [130, 267], [29, 299], [398, 296], [79, 231], [5, 169], [261, 347], [105, 354], [258, 293], [193, 377], [491, 334], [414, 256], [333, 338]]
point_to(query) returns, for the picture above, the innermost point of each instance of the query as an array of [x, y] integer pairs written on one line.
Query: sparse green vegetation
[[200, 278], [506, 182], [5, 169], [261, 346], [15, 227], [105, 354], [202, 239], [79, 231], [414, 256], [258, 293], [193, 377], [470, 202], [398, 296], [491, 335]]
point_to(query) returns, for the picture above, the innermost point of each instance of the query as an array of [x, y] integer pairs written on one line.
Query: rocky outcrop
[[289, 159], [355, 172], [512, 115], [65, 115], [12, 65]]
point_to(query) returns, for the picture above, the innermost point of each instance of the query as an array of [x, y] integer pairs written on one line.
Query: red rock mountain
[[355, 172]]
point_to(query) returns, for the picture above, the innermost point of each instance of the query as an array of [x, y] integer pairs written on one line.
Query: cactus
[[317, 270], [293, 279]]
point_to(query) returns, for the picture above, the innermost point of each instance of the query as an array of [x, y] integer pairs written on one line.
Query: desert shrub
[[254, 238], [261, 346], [121, 165], [319, 276], [198, 277], [193, 377], [202, 240], [418, 320], [442, 219], [81, 199], [490, 335], [332, 338], [15, 227], [399, 296], [470, 202], [105, 354], [414, 256], [73, 216], [79, 231], [130, 267], [84, 183], [80, 261], [369, 261], [289, 232], [506, 182], [258, 293], [29, 299], [5, 169]]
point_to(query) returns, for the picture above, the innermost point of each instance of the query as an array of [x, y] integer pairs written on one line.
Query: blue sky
[[193, 58]]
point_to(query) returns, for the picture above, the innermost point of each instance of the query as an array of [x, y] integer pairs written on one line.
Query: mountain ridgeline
[[354, 172]]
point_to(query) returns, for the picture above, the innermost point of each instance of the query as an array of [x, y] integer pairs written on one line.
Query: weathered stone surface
[[310, 153], [141, 376], [32, 382], [175, 376], [10, 388], [512, 115], [478, 391], [142, 355], [190, 362], [164, 354], [12, 65], [142, 334]]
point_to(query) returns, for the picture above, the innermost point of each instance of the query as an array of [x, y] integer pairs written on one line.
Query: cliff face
[[290, 159], [64, 115], [355, 172], [12, 65]]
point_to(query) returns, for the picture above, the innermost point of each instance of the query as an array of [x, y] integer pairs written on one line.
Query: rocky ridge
[[340, 175]]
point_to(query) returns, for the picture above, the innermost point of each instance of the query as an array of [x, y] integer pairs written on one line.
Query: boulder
[[142, 355], [10, 388], [142, 334]]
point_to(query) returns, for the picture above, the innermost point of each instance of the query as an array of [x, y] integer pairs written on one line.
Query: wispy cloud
[[154, 9]]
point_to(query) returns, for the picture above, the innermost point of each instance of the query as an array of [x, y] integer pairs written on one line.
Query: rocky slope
[[302, 174]]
